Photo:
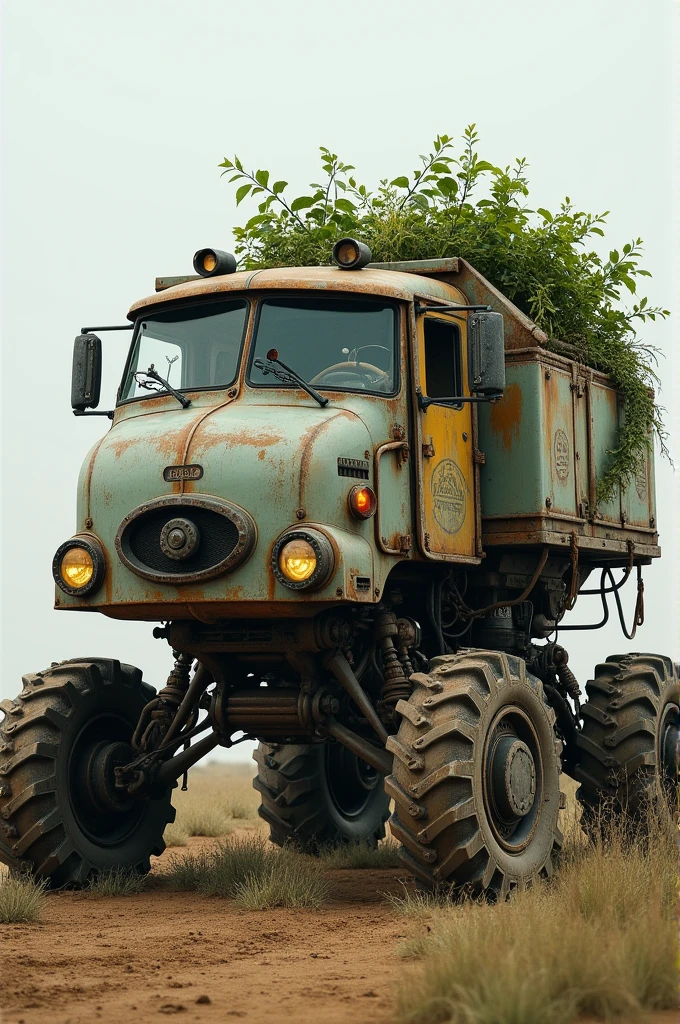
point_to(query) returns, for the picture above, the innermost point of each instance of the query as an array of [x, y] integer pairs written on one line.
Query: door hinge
[[428, 449], [479, 458], [426, 542], [405, 542]]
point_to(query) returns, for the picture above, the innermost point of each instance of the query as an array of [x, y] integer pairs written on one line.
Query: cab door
[[446, 509]]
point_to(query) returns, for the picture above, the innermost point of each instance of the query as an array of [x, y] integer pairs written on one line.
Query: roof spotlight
[[211, 262], [350, 254]]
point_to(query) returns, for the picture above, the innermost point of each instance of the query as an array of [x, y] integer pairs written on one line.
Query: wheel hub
[[513, 775], [100, 778]]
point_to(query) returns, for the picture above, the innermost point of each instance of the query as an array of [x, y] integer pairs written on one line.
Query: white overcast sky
[[116, 116]]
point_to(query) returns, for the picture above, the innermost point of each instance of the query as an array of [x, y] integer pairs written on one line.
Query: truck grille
[[226, 532]]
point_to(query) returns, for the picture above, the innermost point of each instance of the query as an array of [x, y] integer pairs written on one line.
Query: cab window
[[443, 360]]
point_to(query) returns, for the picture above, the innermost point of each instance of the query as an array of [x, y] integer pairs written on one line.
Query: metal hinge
[[405, 542], [479, 458], [428, 449], [426, 542]]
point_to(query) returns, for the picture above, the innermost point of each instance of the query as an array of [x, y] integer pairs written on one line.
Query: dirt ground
[[132, 958]]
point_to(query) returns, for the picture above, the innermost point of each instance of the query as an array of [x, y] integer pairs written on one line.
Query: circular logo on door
[[561, 454], [449, 496]]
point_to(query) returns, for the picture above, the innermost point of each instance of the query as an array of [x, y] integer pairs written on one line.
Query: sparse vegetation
[[210, 807], [117, 882], [175, 835], [252, 872], [289, 881], [362, 855], [599, 939], [22, 900]]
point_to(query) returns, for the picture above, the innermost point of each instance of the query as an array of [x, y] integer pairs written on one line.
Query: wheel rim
[[669, 752], [105, 815], [350, 781], [512, 778]]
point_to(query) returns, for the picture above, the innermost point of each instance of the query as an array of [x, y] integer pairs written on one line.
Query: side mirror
[[86, 376], [486, 354]]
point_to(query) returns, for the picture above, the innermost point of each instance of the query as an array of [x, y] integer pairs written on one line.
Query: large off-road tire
[[629, 742], [319, 794], [60, 816], [476, 776]]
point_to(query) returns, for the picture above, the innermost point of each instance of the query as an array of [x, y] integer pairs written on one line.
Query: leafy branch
[[545, 262]]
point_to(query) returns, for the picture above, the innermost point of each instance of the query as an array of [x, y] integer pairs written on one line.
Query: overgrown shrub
[[462, 206]]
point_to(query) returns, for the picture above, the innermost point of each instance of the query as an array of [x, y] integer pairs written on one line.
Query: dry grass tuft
[[252, 872], [288, 882], [22, 900], [213, 803], [117, 882], [175, 835], [599, 939], [361, 855]]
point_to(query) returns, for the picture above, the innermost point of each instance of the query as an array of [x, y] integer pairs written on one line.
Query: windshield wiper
[[289, 375], [151, 372]]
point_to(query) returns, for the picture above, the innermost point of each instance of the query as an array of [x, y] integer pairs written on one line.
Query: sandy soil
[[130, 959]]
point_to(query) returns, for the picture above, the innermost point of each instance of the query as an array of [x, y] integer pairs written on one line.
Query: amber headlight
[[78, 566], [303, 559]]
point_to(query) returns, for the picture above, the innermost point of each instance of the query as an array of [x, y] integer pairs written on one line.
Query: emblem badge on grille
[[173, 474]]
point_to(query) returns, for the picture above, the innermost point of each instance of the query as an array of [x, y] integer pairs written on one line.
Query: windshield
[[192, 347], [339, 344]]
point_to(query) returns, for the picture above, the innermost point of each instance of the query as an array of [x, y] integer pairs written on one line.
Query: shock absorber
[[396, 685], [158, 714]]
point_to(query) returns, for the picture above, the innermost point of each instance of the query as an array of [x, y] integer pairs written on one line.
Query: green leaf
[[242, 192], [254, 221], [301, 203], [262, 177], [278, 187], [346, 205], [400, 182]]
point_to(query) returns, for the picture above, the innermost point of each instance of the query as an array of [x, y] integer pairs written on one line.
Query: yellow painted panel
[[447, 476]]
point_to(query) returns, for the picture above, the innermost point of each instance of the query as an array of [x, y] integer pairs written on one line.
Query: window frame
[[188, 304], [458, 362], [393, 304]]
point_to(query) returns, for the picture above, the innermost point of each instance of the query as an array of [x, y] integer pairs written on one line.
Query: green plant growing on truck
[[357, 501], [459, 205]]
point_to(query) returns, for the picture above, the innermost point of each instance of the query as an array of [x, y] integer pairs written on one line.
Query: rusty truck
[[359, 502]]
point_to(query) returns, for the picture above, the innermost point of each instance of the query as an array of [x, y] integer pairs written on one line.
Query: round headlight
[[303, 559], [297, 560], [78, 566]]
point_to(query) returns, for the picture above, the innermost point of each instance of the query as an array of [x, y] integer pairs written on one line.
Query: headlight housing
[[303, 560], [79, 566]]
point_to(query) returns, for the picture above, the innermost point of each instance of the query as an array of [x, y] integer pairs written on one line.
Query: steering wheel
[[373, 374]]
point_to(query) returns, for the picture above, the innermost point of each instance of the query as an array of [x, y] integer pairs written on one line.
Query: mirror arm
[[424, 402], [122, 327], [98, 412]]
